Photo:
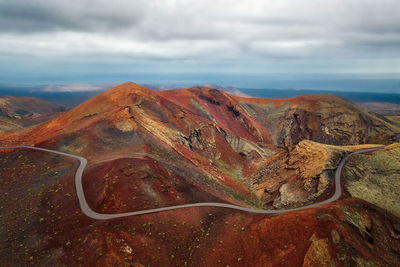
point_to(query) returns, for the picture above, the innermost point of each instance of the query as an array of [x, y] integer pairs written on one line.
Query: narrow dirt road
[[100, 216]]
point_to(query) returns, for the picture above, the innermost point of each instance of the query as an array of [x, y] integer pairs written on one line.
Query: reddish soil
[[57, 233], [131, 184]]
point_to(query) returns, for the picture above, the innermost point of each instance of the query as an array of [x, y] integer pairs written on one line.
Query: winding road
[[100, 216]]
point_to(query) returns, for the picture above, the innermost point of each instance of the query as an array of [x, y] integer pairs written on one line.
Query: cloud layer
[[314, 35], [72, 88]]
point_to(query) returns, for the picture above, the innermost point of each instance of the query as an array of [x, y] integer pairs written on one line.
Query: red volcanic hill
[[283, 122], [149, 149]]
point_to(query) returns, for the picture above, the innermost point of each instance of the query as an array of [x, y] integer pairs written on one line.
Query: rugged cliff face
[[301, 175], [326, 119]]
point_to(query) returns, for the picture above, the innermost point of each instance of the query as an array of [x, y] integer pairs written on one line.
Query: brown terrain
[[391, 109], [19, 112], [395, 119], [148, 149]]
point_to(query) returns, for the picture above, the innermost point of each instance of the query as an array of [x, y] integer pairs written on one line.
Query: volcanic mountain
[[216, 139], [18, 112], [148, 149]]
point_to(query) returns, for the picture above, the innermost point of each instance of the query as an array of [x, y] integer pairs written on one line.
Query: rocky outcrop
[[298, 176], [319, 253]]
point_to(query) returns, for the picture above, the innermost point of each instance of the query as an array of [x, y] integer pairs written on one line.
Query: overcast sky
[[98, 41]]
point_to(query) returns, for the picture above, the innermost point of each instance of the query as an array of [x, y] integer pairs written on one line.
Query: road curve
[[100, 216]]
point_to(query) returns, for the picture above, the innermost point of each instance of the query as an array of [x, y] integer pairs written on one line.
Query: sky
[[82, 44]]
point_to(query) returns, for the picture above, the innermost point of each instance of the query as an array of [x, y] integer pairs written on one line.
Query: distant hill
[[382, 103], [10, 105], [67, 99], [18, 112]]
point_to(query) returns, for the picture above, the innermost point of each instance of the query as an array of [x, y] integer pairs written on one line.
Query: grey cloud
[[164, 20], [201, 30], [24, 16]]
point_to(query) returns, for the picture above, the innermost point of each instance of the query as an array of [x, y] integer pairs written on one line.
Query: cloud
[[25, 16], [229, 89], [72, 88], [208, 31]]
